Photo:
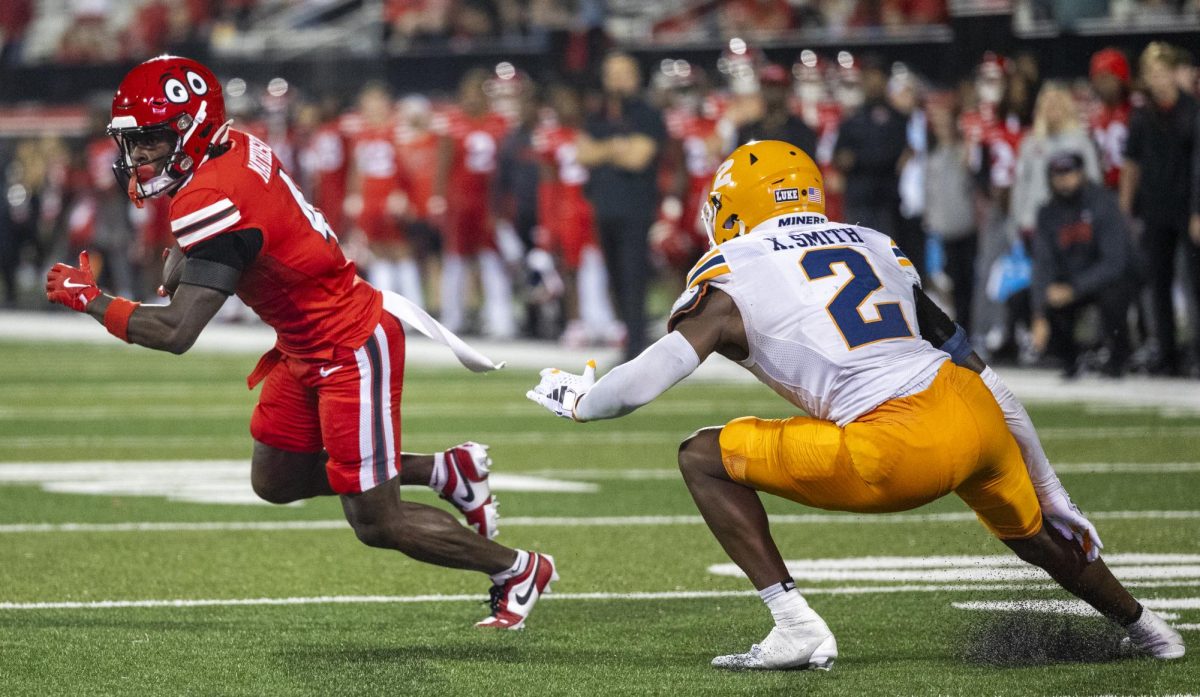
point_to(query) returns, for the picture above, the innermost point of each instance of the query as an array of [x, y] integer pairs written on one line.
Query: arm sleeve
[[218, 262], [1045, 481], [638, 382]]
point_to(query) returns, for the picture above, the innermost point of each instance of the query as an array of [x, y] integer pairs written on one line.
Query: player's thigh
[[800, 458], [999, 489], [286, 416], [700, 454], [359, 406], [287, 437]]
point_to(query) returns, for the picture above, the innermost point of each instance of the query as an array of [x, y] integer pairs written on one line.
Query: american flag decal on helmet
[[814, 195]]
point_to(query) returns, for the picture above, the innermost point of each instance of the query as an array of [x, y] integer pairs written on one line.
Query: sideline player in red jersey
[[328, 419], [377, 178], [568, 223], [471, 136]]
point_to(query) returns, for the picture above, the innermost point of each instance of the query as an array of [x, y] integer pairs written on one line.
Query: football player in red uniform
[[377, 179], [569, 224], [328, 419], [471, 136]]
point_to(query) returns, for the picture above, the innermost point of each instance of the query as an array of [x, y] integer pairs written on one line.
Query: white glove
[[560, 392], [1065, 517]]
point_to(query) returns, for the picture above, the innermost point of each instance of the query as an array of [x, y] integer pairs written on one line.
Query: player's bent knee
[[700, 453]]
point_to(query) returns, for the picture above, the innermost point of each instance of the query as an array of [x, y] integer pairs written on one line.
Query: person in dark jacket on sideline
[[1082, 255]]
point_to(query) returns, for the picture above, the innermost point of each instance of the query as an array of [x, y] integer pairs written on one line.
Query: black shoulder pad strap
[[211, 274]]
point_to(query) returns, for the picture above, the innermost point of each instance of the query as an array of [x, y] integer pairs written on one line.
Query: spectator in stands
[[949, 207], [15, 17], [868, 152], [1109, 74], [620, 148], [778, 122], [1082, 256], [1056, 128], [904, 95], [1156, 188]]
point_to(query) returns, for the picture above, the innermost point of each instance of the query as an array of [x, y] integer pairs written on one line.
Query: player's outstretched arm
[[171, 327], [1063, 515], [713, 326]]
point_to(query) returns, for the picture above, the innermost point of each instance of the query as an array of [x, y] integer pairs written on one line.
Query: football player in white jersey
[[901, 411]]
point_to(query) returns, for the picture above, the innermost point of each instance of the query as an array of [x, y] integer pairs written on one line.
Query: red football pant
[[349, 406]]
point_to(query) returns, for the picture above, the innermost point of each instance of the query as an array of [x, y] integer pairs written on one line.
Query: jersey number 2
[[844, 308]]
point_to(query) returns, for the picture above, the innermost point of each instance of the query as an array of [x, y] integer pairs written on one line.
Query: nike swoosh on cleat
[[532, 583], [470, 495]]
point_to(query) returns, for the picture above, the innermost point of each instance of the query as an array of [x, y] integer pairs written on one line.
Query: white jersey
[[828, 310]]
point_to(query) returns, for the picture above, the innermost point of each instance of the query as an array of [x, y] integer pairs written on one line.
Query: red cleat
[[513, 600], [466, 486]]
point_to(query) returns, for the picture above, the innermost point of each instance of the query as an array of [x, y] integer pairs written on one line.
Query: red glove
[[70, 286]]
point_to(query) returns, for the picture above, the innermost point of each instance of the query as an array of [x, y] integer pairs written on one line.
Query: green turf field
[[628, 528]]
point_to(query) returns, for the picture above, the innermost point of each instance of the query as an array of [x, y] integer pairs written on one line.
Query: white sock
[[408, 280], [595, 307], [438, 478], [786, 604], [497, 296], [454, 287], [517, 567]]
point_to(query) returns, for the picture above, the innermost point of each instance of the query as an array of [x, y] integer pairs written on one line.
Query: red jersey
[[419, 160], [376, 161], [324, 160], [476, 143], [563, 210], [300, 283], [984, 132], [1110, 130]]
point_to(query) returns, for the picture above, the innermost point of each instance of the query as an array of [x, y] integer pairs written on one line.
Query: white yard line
[[560, 521], [650, 595]]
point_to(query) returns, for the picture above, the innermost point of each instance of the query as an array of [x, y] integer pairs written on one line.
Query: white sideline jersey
[[828, 310]]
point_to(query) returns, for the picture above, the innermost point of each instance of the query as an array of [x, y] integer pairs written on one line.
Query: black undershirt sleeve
[[935, 326], [218, 262]]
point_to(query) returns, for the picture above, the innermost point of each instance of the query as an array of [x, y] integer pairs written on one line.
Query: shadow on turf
[[1014, 639]]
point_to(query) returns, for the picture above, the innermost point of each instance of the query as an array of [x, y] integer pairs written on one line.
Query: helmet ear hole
[[730, 222]]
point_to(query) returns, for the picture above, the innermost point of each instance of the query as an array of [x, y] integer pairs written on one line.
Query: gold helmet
[[760, 180]]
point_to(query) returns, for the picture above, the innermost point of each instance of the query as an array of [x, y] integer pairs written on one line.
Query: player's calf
[[1094, 583]]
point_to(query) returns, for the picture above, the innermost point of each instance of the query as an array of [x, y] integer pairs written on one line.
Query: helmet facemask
[[160, 175], [708, 217]]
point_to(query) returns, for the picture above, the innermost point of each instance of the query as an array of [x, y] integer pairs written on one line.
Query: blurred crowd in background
[[1058, 221]]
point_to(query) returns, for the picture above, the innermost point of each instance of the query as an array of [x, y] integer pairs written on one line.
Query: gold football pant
[[905, 453]]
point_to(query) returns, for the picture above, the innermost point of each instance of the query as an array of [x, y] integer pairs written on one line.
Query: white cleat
[[809, 646], [1152, 635]]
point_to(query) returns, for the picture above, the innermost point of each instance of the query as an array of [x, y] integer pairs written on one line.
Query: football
[[172, 271]]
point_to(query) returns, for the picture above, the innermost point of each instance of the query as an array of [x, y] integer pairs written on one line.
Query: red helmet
[[171, 99]]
